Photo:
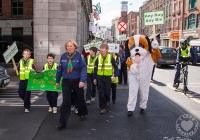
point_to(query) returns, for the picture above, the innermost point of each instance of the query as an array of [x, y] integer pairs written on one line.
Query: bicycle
[[183, 77]]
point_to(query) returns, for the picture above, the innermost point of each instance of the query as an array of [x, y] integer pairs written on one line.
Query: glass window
[[191, 21], [192, 4], [17, 34], [17, 7], [0, 6], [198, 21], [185, 24], [0, 34]]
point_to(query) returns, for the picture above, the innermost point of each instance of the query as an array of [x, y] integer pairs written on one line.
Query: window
[[167, 11], [185, 24], [198, 21], [17, 34], [192, 4], [170, 9], [17, 7], [0, 6], [191, 21], [178, 24]]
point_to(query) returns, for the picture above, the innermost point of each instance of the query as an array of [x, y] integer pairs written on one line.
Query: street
[[165, 106]]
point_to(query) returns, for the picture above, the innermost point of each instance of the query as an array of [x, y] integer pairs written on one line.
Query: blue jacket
[[79, 68]]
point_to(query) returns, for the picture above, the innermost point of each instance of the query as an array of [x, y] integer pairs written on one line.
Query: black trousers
[[91, 87], [104, 86], [67, 87], [52, 97], [113, 86], [123, 72], [24, 94], [153, 72], [74, 99]]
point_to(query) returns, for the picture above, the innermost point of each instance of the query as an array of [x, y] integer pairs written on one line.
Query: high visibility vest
[[90, 64], [25, 70], [186, 52], [54, 67], [107, 66], [116, 78]]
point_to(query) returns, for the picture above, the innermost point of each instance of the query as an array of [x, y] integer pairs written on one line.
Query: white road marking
[[2, 101]]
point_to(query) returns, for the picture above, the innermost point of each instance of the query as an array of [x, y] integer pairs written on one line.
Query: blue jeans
[[177, 74]]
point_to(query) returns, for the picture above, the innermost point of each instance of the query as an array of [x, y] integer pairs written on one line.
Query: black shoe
[[141, 111], [114, 102], [61, 126], [82, 118], [130, 113]]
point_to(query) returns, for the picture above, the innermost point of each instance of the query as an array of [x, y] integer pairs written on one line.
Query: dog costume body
[[140, 65]]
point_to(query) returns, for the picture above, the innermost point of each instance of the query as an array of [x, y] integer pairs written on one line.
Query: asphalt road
[[165, 106]]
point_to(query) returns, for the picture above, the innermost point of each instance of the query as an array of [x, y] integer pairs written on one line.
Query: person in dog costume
[[141, 57]]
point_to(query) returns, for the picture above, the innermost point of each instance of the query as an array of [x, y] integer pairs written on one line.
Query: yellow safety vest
[[186, 52], [107, 71], [25, 70], [54, 67], [90, 64], [116, 79]]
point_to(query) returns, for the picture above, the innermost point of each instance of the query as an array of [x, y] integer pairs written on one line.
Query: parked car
[[168, 56], [195, 44], [4, 77]]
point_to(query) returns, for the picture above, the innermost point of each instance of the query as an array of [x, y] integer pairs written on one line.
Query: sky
[[111, 9]]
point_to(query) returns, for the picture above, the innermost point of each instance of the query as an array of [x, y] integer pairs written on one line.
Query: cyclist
[[184, 54]]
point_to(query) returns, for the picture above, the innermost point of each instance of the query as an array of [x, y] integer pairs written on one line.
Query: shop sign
[[164, 36]]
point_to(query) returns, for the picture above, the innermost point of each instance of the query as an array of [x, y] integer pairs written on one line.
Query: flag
[[98, 7], [96, 15]]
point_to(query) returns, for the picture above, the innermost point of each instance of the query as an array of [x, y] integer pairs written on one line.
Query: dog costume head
[[139, 46]]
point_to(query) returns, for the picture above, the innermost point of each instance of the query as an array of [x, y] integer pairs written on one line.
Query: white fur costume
[[139, 74]]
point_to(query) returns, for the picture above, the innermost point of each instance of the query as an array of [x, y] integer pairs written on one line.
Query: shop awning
[[151, 36]]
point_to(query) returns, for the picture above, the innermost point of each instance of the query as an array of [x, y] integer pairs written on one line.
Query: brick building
[[191, 22], [16, 21], [45, 25], [132, 23]]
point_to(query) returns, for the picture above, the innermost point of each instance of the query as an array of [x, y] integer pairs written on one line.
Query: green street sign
[[10, 52], [154, 18]]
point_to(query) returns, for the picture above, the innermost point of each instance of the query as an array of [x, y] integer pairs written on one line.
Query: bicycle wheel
[[185, 84]]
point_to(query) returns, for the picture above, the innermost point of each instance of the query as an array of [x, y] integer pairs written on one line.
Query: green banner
[[45, 81]]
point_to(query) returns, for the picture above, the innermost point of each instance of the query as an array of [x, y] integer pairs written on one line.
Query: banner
[[10, 52], [45, 81]]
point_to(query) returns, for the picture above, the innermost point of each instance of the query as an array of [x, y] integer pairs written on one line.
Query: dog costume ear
[[149, 44]]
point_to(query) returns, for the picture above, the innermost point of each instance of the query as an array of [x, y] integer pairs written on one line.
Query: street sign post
[[10, 53], [122, 26]]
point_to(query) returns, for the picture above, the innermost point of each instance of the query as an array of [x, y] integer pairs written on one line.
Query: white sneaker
[[26, 111], [93, 99], [88, 102], [50, 109], [54, 110], [72, 108], [76, 110]]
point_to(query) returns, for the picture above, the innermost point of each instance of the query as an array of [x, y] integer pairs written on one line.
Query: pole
[[154, 32]]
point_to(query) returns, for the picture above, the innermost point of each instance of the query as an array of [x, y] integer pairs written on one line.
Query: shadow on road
[[159, 83]]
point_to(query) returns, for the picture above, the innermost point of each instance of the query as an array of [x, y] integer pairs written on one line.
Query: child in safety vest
[[26, 64], [91, 87], [103, 71], [51, 96], [114, 81]]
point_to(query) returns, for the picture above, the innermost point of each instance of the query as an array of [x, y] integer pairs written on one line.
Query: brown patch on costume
[[144, 42], [131, 42], [129, 62], [155, 55]]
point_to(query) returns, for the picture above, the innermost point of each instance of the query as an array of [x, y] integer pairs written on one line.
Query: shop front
[[164, 39], [191, 34], [174, 39]]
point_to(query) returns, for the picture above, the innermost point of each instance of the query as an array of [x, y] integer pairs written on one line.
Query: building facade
[[16, 21], [132, 23], [115, 30], [191, 20]]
